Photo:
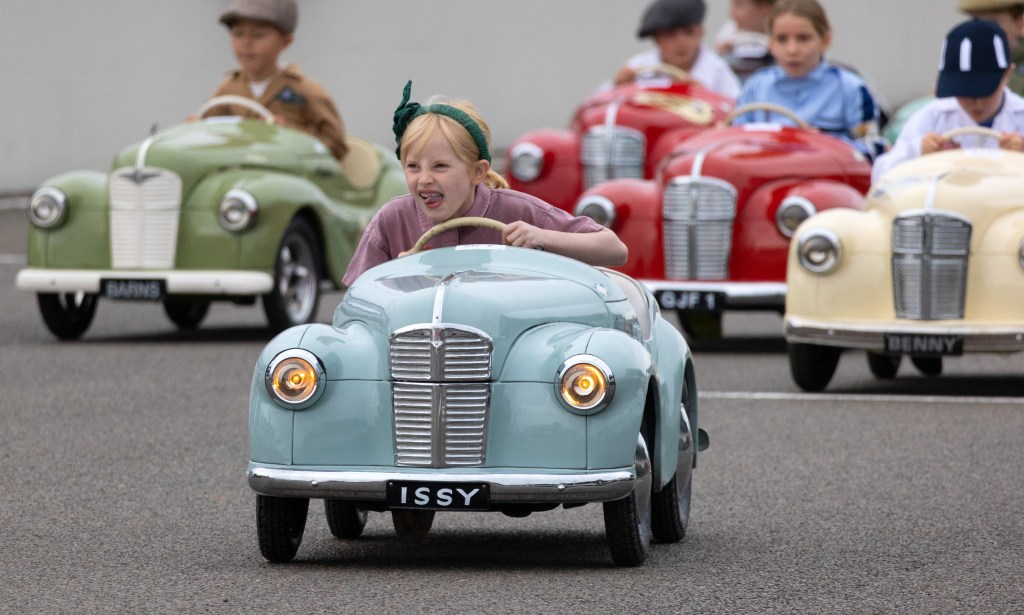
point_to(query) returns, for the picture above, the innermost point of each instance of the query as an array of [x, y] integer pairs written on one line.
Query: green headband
[[407, 112]]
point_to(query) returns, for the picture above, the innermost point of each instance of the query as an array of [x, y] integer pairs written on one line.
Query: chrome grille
[[698, 219], [440, 396], [611, 153], [144, 208], [929, 265]]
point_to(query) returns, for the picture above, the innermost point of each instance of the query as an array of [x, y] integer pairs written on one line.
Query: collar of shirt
[[785, 83]]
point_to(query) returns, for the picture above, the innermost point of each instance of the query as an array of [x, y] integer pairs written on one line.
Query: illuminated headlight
[[585, 384], [792, 212], [295, 378], [47, 207], [819, 251], [526, 161], [600, 208], [238, 210]]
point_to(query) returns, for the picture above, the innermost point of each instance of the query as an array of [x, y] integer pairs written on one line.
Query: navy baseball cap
[[975, 57]]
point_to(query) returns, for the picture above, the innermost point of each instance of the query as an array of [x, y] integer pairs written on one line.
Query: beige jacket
[[292, 96]]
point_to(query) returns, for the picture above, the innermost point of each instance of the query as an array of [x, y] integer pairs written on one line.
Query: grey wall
[[82, 78]]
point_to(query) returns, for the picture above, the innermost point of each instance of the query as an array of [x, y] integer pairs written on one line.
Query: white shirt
[[940, 116], [710, 70]]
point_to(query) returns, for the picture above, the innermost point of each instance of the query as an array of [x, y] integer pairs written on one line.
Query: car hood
[[497, 290], [194, 148], [979, 184]]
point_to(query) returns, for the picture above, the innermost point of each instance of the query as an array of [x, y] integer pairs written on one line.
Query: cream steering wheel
[[980, 131], [763, 106], [661, 68], [230, 99], [447, 225]]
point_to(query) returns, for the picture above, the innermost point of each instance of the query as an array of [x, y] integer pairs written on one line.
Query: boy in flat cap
[[260, 30], [971, 86], [677, 27], [1009, 14]]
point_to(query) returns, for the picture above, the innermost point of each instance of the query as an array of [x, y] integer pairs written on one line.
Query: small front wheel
[[186, 313], [412, 523], [296, 293], [67, 315], [627, 522], [813, 366], [280, 523], [884, 366], [929, 366]]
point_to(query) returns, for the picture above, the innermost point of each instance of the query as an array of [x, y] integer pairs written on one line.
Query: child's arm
[[599, 248]]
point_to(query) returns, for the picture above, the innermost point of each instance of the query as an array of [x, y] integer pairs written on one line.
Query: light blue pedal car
[[478, 378]]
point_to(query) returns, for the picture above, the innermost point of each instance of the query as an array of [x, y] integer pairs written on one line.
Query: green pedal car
[[219, 209], [477, 378]]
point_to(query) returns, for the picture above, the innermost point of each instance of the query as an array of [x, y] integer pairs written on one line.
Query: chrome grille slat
[[145, 205], [930, 252], [612, 152], [441, 396], [697, 233]]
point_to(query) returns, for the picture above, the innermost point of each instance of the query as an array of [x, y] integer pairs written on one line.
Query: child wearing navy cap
[[677, 27], [972, 88]]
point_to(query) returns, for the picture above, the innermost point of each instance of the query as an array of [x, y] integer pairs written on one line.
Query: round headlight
[[295, 378], [819, 251], [585, 384], [47, 207], [793, 211], [600, 208], [238, 210], [526, 161]]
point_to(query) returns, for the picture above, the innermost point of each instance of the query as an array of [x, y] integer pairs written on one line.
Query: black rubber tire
[[186, 313], [296, 293], [884, 366], [280, 523], [701, 325], [412, 523], [67, 315], [813, 366], [929, 366], [627, 521], [344, 519], [670, 509]]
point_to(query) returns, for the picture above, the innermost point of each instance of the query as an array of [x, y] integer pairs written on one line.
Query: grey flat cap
[[670, 14], [282, 14]]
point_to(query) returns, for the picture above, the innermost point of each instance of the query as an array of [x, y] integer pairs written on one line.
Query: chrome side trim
[[872, 337], [511, 487]]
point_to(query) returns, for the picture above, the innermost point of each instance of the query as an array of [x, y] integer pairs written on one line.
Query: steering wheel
[[447, 225], [661, 68], [763, 106], [981, 131], [230, 99]]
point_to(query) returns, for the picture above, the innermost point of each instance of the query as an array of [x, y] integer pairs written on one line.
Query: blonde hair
[[808, 9], [422, 129]]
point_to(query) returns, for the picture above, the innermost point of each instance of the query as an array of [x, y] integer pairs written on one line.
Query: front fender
[[82, 241], [561, 178], [270, 425], [638, 223]]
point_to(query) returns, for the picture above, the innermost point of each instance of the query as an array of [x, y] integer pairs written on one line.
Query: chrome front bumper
[[738, 295], [872, 336], [178, 282], [506, 488]]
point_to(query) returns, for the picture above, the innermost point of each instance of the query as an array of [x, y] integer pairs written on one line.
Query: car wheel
[[670, 507], [929, 366], [884, 366], [67, 315], [412, 523], [344, 519], [627, 522], [296, 293], [280, 523], [812, 366], [186, 313], [701, 325]]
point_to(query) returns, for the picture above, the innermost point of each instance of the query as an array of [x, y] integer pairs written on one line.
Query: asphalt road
[[122, 489]]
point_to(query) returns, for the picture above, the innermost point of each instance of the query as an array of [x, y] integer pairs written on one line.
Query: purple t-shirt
[[400, 222]]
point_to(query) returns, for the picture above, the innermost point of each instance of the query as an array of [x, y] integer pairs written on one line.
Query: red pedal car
[[618, 133], [711, 232]]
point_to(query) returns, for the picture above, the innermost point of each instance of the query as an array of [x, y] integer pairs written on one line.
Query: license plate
[[437, 496], [691, 300], [133, 290], [924, 345]]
